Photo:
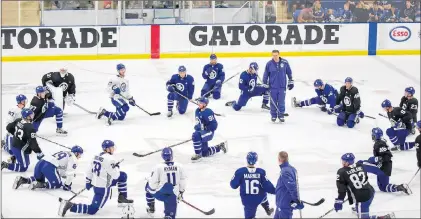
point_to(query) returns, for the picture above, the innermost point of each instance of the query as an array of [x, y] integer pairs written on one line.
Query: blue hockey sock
[[122, 188], [110, 115], [150, 200], [265, 203], [265, 99], [197, 147], [391, 188], [213, 150], [16, 167], [79, 208], [394, 139], [170, 104], [407, 145], [31, 179]]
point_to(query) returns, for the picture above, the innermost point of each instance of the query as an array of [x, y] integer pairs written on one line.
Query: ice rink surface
[[312, 138]]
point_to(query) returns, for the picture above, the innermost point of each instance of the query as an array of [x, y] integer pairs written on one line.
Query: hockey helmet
[[26, 112], [376, 133], [254, 66], [410, 90], [349, 79], [203, 100], [318, 83], [252, 158], [39, 89], [349, 158], [107, 144], [181, 68], [120, 66], [213, 57], [77, 149], [20, 98], [386, 103], [167, 154]]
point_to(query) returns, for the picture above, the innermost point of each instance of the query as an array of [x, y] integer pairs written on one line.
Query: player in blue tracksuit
[[183, 84], [204, 130], [401, 126], [254, 187], [276, 72], [214, 75], [250, 88], [326, 97], [287, 194], [380, 164]]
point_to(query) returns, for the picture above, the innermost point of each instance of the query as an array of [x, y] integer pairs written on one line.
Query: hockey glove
[[290, 84], [67, 187], [419, 164], [88, 184], [338, 204], [297, 205], [132, 102], [337, 108], [70, 99], [218, 84], [180, 196], [116, 90], [198, 127], [374, 160], [360, 114], [40, 156], [170, 88], [323, 108]]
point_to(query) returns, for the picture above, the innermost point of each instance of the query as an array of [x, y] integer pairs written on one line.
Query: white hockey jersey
[[122, 83], [65, 161], [171, 172], [13, 114], [103, 171]]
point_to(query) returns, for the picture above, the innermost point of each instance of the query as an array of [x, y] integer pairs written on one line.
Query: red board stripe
[[155, 38]]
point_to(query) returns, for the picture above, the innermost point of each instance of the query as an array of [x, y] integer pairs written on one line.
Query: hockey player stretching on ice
[[103, 174], [250, 88], [61, 165], [401, 126], [326, 97], [254, 187], [380, 164], [351, 179], [118, 87], [167, 184], [350, 103], [61, 85], [418, 144], [13, 114], [205, 128], [183, 84], [214, 75], [287, 194], [410, 104]]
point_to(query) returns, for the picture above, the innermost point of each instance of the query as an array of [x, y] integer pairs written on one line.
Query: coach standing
[[287, 194], [275, 76]]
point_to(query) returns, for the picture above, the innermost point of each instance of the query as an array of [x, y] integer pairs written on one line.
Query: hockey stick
[[45, 139], [150, 114], [383, 116], [198, 209], [328, 212], [321, 201], [84, 109], [74, 196], [191, 101], [414, 176], [210, 91], [153, 152]]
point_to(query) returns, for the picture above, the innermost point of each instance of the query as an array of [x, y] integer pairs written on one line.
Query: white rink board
[[399, 36]]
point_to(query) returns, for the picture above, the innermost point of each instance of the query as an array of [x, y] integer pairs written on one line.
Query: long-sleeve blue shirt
[[276, 74], [286, 188]]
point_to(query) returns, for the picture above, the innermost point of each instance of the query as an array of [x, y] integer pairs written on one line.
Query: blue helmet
[[39, 89], [252, 158], [26, 112], [410, 90], [212, 57], [107, 144], [386, 103], [77, 149], [120, 66], [167, 154], [376, 133], [254, 66], [419, 124], [349, 158], [318, 83], [203, 100], [349, 79], [182, 68], [20, 98]]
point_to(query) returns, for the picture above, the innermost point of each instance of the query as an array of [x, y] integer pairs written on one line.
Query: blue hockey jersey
[[247, 82], [328, 95], [206, 119], [212, 73], [183, 85]]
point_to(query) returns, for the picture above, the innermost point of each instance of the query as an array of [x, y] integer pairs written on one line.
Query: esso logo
[[400, 34]]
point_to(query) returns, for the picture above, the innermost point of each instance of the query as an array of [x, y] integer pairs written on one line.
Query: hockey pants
[[216, 93], [46, 170], [250, 209], [181, 102], [8, 143], [398, 138], [245, 96], [283, 213], [166, 195], [382, 178], [121, 107], [363, 208], [51, 112], [349, 118], [22, 160], [200, 143]]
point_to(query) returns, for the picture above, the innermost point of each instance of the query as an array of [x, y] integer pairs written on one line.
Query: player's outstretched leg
[[242, 101], [21, 164], [214, 149], [58, 113], [19, 180], [265, 100], [398, 137], [64, 207], [385, 186], [265, 205]]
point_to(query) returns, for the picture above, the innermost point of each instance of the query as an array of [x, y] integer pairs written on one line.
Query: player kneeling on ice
[[326, 98], [180, 86], [61, 85], [103, 174], [418, 143], [214, 75], [352, 179], [401, 126], [167, 184], [43, 106], [410, 104], [380, 164], [13, 114], [205, 128], [61, 165], [249, 88], [118, 87], [254, 187], [23, 143], [349, 103]]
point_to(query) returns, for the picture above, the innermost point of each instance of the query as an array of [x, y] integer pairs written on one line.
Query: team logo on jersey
[[197, 120], [252, 83], [282, 65], [179, 86], [347, 101], [64, 86], [123, 87], [212, 75]]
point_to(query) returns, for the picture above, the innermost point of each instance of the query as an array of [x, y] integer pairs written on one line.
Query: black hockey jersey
[[381, 150], [39, 106], [23, 136], [67, 83], [350, 100], [353, 180], [398, 114], [410, 105], [417, 146]]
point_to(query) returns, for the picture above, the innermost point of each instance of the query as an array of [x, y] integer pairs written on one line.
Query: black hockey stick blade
[[370, 117], [383, 116], [209, 212], [153, 152], [315, 204], [155, 114]]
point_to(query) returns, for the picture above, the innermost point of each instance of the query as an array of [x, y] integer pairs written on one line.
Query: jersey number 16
[[252, 187]]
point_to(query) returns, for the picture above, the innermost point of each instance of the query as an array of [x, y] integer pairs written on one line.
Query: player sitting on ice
[[43, 106], [167, 184], [61, 85], [250, 88], [401, 126], [13, 114], [410, 103], [183, 84], [326, 98], [349, 102], [205, 128], [214, 75], [103, 174], [254, 186], [380, 164], [62, 162], [118, 87]]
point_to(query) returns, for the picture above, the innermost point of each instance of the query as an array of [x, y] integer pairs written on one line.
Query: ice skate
[[64, 207], [196, 157], [395, 148], [37, 185], [265, 106], [11, 159], [123, 201], [61, 132], [109, 121], [387, 216], [230, 103], [100, 113], [3, 144], [150, 210], [273, 119], [295, 103], [281, 119], [268, 210], [169, 114], [19, 180], [223, 146], [404, 188], [4, 164]]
